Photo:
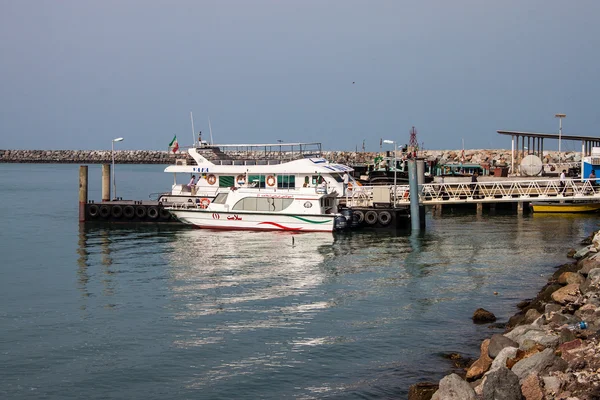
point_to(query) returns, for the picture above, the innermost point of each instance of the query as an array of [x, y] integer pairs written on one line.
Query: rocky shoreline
[[476, 156], [545, 352]]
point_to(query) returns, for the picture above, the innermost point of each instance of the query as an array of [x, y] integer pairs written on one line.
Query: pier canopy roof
[[549, 136]]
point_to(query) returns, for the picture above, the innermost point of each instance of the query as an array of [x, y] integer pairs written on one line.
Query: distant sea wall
[[343, 157], [88, 156]]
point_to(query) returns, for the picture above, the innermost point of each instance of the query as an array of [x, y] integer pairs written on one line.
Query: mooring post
[[415, 218], [421, 182], [479, 208], [105, 182], [420, 172], [520, 208], [83, 191]]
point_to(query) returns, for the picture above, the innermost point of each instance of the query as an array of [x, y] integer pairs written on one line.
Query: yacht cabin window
[[262, 204], [286, 181], [226, 181], [220, 198]]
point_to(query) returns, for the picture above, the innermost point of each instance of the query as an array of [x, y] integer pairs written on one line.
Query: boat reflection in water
[[233, 272]]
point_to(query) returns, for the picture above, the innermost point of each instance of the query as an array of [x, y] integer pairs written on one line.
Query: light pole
[[395, 166], [113, 166], [560, 117]]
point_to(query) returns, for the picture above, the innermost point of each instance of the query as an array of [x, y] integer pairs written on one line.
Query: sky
[[74, 74]]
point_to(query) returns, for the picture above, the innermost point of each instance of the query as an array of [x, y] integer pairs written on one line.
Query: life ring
[[128, 212], [406, 194], [204, 202], [371, 217], [240, 178], [152, 212], [104, 211], [384, 218], [116, 211], [271, 180], [164, 214], [93, 210], [349, 186], [140, 211], [360, 216], [211, 179]]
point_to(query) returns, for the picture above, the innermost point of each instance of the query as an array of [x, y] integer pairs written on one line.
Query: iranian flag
[[174, 145]]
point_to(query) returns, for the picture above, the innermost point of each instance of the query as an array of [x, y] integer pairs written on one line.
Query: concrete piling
[[415, 215], [83, 191], [105, 182]]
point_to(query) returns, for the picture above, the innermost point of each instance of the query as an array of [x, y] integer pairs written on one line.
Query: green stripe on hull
[[308, 220]]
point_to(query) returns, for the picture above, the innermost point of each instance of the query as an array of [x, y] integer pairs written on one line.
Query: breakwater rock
[[477, 156], [88, 156], [551, 349]]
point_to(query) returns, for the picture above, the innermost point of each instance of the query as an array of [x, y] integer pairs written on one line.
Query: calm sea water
[[101, 311]]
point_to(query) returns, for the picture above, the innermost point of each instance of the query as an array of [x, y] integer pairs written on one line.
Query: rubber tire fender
[[360, 216], [164, 214], [140, 212], [128, 212], [153, 212], [93, 210], [104, 211], [371, 217], [116, 211], [384, 218]]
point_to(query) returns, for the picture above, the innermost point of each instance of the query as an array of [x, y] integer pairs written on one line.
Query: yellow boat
[[566, 207]]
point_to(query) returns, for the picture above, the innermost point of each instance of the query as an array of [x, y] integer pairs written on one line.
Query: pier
[[517, 193]]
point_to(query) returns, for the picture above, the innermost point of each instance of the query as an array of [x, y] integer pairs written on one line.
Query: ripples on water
[[101, 311]]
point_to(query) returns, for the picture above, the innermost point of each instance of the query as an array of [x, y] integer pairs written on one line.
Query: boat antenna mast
[[413, 143], [193, 131], [210, 130]]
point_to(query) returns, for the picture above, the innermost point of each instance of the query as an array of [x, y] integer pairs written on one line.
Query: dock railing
[[486, 192]]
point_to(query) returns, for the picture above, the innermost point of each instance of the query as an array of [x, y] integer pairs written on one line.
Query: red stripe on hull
[[228, 228]]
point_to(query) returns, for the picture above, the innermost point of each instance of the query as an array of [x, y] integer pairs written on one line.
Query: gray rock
[[453, 387], [501, 384], [582, 252], [551, 308], [566, 335], [503, 355], [520, 330], [551, 384], [592, 281], [534, 364], [499, 342], [544, 338]]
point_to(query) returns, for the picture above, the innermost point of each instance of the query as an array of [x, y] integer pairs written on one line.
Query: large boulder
[[587, 264], [501, 384], [533, 337], [592, 282], [482, 316], [566, 294], [537, 363], [567, 278], [503, 355], [452, 387], [499, 342], [480, 366]]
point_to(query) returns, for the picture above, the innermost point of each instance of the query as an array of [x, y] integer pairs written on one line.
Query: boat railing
[[261, 154]]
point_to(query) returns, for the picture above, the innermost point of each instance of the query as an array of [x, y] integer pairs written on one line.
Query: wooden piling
[[105, 182], [83, 191], [479, 208]]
